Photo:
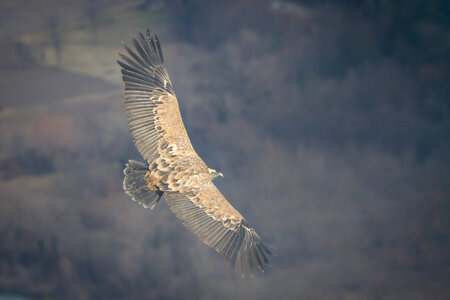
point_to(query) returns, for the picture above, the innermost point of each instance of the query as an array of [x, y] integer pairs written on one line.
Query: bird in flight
[[172, 167]]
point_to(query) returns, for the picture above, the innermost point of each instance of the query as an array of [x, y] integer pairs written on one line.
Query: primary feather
[[174, 169]]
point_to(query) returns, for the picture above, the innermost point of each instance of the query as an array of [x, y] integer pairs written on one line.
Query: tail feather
[[135, 186]]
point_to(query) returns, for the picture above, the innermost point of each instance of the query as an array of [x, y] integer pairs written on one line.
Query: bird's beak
[[220, 175]]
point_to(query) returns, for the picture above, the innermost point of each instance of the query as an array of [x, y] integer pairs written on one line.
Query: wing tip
[[252, 253], [145, 56]]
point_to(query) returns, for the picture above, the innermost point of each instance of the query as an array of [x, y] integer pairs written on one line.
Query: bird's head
[[214, 174]]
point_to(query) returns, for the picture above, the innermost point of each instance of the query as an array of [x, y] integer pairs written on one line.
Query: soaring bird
[[172, 167]]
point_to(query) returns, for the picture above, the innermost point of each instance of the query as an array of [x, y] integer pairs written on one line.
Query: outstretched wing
[[151, 106], [205, 212], [174, 167]]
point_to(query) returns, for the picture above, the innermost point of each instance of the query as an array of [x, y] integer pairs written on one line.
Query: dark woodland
[[330, 121]]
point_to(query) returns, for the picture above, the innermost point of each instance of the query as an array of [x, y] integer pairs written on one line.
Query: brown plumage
[[174, 169]]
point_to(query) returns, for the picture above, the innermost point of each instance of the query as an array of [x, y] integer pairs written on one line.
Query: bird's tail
[[136, 187]]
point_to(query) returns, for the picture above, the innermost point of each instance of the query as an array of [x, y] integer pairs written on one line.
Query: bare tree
[[54, 36], [92, 9]]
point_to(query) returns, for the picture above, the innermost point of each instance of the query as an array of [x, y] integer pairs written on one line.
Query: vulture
[[172, 167]]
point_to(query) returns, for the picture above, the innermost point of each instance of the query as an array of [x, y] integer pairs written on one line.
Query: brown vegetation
[[330, 122]]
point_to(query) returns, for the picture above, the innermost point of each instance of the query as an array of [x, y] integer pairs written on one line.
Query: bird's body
[[173, 167]]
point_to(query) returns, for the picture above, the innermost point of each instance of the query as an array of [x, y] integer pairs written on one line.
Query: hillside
[[330, 122]]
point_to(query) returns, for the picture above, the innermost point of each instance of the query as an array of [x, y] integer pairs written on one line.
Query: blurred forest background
[[329, 119]]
